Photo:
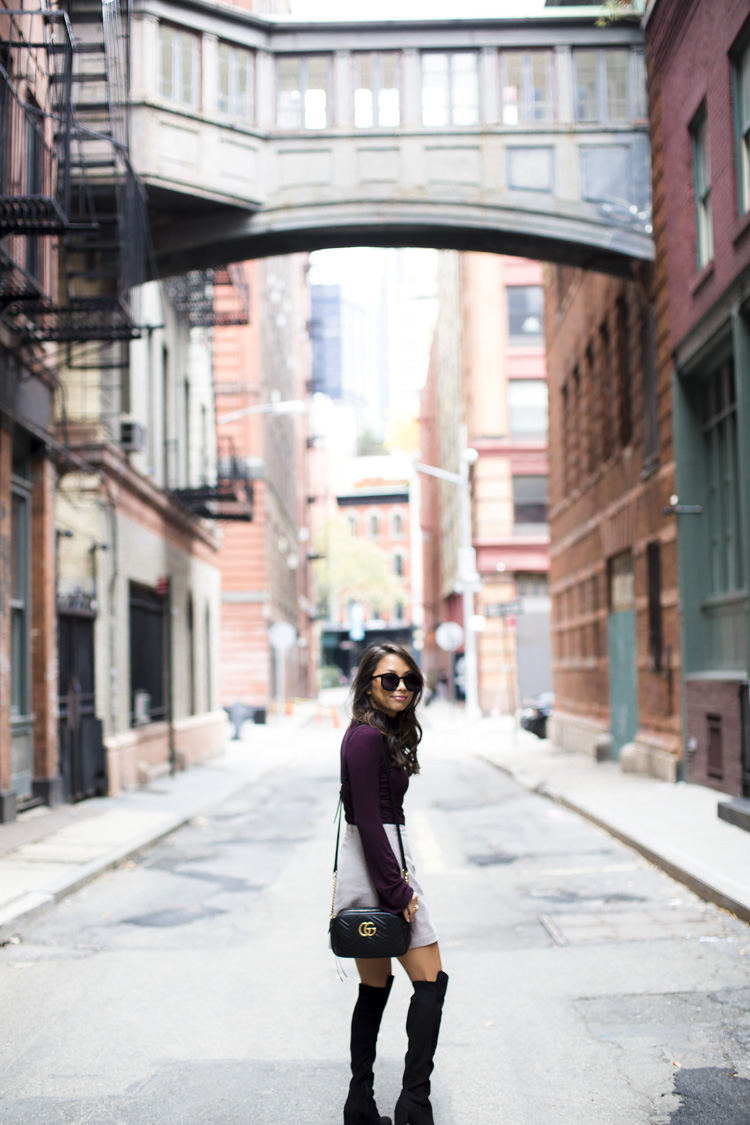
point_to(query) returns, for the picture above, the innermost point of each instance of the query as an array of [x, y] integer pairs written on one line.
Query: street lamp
[[290, 406], [467, 566]]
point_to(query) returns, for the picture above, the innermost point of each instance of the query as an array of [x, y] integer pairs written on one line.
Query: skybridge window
[[609, 86], [450, 89], [376, 91], [179, 66], [303, 92], [527, 87], [236, 82]]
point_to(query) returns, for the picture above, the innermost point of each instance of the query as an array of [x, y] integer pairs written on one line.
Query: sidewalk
[[675, 826], [47, 853]]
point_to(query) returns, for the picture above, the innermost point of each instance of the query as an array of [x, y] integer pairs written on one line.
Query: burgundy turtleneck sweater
[[367, 803]]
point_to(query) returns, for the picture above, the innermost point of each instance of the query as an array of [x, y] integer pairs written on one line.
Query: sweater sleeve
[[364, 757]]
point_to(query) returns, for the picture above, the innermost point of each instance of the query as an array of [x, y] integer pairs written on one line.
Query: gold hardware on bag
[[333, 896], [367, 929]]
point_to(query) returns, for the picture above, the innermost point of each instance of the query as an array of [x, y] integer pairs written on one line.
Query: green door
[[623, 677]]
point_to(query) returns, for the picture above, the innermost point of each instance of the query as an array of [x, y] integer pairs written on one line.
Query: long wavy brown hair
[[402, 732]]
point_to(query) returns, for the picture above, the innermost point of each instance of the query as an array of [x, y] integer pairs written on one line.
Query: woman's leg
[[375, 975], [422, 1029], [422, 963]]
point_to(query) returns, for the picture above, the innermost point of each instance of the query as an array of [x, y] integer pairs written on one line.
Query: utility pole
[[467, 565]]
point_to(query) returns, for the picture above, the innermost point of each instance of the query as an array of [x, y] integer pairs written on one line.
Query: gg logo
[[367, 929]]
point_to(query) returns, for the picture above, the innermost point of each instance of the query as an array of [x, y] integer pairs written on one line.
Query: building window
[[650, 389], [450, 89], [398, 525], [655, 629], [603, 86], [398, 611], [742, 120], [398, 564], [236, 82], [530, 504], [376, 92], [527, 405], [527, 87], [374, 526], [702, 188], [525, 314], [146, 655], [303, 92], [532, 585], [719, 425], [179, 65], [20, 589], [625, 390], [352, 525]]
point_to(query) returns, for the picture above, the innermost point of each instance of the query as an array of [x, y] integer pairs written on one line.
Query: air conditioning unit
[[132, 437]]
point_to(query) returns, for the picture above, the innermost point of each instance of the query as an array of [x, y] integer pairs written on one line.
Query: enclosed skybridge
[[516, 136]]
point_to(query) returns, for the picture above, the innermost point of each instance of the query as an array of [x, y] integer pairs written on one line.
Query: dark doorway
[[83, 762]]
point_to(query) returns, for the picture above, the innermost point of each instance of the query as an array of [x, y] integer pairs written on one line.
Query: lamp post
[[290, 406], [467, 566]]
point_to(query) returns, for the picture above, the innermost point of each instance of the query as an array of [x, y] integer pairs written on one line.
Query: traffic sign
[[503, 609]]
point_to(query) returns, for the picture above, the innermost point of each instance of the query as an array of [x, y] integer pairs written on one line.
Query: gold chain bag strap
[[362, 932]]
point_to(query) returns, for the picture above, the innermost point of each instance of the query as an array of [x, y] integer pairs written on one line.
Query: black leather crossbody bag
[[362, 932]]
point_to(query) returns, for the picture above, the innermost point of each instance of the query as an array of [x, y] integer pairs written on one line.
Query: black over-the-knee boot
[[422, 1028], [360, 1108]]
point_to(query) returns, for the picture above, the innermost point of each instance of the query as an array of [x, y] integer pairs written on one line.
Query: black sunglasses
[[390, 681]]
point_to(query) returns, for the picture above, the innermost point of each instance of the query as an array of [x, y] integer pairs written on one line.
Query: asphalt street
[[194, 985]]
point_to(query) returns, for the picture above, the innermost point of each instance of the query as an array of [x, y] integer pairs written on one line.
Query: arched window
[[374, 525], [398, 525], [398, 564]]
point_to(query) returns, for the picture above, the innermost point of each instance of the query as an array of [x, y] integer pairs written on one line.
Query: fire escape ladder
[[36, 64], [213, 298], [231, 497]]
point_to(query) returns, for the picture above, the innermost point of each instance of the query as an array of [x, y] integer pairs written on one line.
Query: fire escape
[[216, 298], [69, 174]]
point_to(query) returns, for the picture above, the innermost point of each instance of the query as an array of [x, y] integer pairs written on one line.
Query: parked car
[[536, 711]]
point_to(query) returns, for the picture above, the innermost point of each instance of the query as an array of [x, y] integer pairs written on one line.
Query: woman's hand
[[412, 908]]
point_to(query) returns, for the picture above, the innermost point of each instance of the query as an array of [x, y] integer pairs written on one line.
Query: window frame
[[450, 88], [232, 109], [701, 159], [526, 100], [178, 35], [602, 102], [303, 90], [516, 339], [376, 59], [521, 433], [530, 527], [740, 57]]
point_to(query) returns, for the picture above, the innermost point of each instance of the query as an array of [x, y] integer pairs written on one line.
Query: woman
[[386, 690]]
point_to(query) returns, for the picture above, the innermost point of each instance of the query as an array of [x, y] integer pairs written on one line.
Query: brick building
[[699, 78], [488, 373], [613, 552]]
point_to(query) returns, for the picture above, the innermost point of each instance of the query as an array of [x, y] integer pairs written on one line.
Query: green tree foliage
[[353, 569]]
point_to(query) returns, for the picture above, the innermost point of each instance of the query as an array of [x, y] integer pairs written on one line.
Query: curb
[[682, 874]]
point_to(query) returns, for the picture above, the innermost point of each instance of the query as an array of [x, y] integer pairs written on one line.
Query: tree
[[353, 569]]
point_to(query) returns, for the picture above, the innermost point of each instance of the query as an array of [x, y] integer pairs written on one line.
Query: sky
[[412, 9]]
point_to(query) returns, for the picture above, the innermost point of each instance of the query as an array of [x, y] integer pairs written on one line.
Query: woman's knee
[[374, 971], [422, 963]]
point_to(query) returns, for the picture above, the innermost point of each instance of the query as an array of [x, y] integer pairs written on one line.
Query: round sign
[[282, 635], [449, 636]]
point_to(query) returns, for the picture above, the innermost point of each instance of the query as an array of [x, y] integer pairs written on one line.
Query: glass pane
[[585, 80], [289, 108], [18, 548], [525, 309], [541, 100], [315, 109], [363, 117], [389, 112], [435, 90], [527, 400], [18, 649], [389, 72], [167, 46], [744, 83], [616, 66], [512, 61], [317, 73], [465, 90], [363, 72], [223, 100]]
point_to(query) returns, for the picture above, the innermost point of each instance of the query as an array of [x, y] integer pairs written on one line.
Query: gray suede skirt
[[355, 888]]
